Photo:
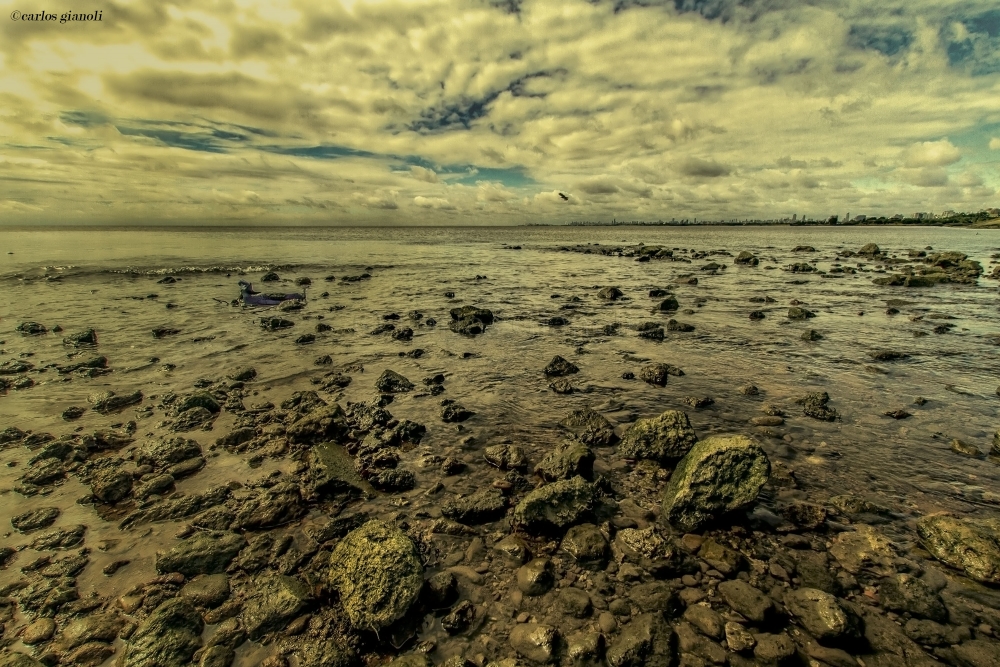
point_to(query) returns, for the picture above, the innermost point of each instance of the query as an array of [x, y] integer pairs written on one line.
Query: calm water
[[103, 278]]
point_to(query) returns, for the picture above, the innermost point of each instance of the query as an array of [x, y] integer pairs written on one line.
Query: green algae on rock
[[663, 439], [971, 545], [720, 474], [378, 573], [555, 506]]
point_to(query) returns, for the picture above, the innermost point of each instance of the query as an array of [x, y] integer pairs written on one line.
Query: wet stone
[[568, 459], [645, 641], [555, 506], [390, 382], [575, 602], [819, 613], [587, 545], [738, 639], [480, 507], [43, 517], [663, 439], [204, 553], [971, 545], [276, 600], [210, 590], [559, 367], [707, 621], [773, 650], [534, 641], [506, 457], [864, 549], [535, 577], [38, 631], [590, 427], [746, 600], [169, 637]]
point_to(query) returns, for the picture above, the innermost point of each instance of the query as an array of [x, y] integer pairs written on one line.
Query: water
[[105, 278]]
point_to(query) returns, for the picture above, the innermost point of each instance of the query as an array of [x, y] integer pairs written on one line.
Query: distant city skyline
[[496, 111]]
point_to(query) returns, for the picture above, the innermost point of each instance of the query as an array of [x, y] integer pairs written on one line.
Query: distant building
[[947, 214], [860, 218], [898, 216], [919, 216], [993, 212]]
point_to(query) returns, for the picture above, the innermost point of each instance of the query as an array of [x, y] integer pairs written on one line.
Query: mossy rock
[[664, 438], [378, 573], [720, 474]]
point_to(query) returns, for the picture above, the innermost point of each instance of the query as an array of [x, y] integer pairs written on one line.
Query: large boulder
[[720, 474], [203, 553], [165, 452], [972, 545], [377, 571], [610, 294], [168, 637], [391, 382], [111, 484], [555, 506], [665, 438]]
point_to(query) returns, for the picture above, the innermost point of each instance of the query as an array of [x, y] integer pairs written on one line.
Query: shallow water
[[103, 278]]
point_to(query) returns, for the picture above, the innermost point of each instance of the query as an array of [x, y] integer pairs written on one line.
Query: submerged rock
[[610, 294], [815, 405], [534, 641], [720, 474], [81, 339], [663, 439], [569, 459], [645, 641], [205, 552], [971, 545], [559, 367], [108, 401], [656, 374], [864, 549], [377, 571], [481, 507]]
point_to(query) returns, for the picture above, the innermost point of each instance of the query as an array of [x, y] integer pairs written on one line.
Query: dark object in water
[[253, 298]]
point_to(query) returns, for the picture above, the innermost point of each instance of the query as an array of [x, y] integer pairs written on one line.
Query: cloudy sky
[[484, 111]]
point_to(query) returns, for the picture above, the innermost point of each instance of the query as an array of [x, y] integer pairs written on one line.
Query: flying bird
[[565, 198]]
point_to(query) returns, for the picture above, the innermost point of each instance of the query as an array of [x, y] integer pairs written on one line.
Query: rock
[[108, 402], [534, 641], [506, 457], [705, 619], [575, 602], [378, 573], [584, 649], [269, 507], [929, 633], [811, 335], [332, 471], [562, 386], [481, 507], [30, 329], [244, 374], [512, 550], [81, 339], [206, 552], [100, 627], [43, 517], [869, 250], [738, 639], [663, 439], [718, 475], [192, 419], [38, 631], [209, 591], [453, 413], [646, 641], [587, 545], [168, 637], [217, 656], [45, 471], [111, 484], [971, 545], [655, 596], [864, 549], [773, 650], [747, 258], [559, 367], [979, 652], [324, 424], [590, 427], [797, 313], [610, 294], [887, 355], [746, 600], [275, 323], [683, 327], [166, 452], [966, 449], [200, 399], [806, 515], [61, 538], [887, 638], [656, 374], [722, 558], [555, 506], [820, 614], [668, 305], [391, 382], [906, 593], [569, 459], [535, 577], [155, 484], [276, 601], [815, 405]]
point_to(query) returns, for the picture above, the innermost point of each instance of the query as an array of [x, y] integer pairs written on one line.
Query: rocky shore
[[295, 527]]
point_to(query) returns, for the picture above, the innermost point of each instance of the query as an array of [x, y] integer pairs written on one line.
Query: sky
[[485, 112]]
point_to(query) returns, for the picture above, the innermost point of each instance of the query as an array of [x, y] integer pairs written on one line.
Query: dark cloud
[[885, 39], [703, 168]]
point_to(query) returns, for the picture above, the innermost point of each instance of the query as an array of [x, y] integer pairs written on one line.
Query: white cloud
[[432, 202], [932, 154]]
